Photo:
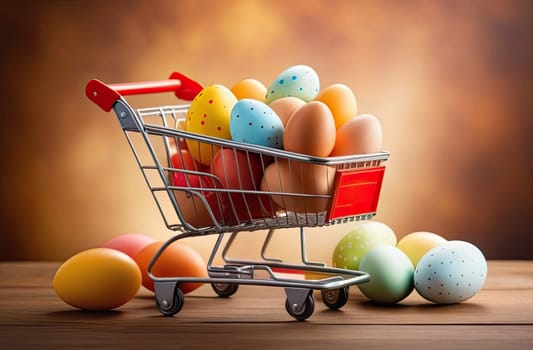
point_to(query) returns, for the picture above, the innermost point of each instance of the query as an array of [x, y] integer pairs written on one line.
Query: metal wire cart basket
[[194, 202]]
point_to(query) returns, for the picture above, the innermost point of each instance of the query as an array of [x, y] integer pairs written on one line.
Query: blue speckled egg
[[451, 273], [254, 122], [299, 81]]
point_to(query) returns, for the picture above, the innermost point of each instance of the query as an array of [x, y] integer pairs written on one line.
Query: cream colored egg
[[285, 107], [359, 135], [308, 185]]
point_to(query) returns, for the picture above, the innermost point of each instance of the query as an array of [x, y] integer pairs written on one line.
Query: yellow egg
[[97, 279], [209, 114], [416, 244], [250, 88], [341, 101]]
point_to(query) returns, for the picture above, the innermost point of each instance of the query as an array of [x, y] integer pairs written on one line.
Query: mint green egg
[[356, 243], [391, 275]]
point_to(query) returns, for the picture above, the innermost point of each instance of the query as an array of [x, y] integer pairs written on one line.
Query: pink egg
[[131, 243]]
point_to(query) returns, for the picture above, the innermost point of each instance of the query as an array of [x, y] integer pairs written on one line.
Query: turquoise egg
[[298, 81], [391, 274], [252, 121]]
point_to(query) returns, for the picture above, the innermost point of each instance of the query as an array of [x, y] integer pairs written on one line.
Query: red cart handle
[[105, 95]]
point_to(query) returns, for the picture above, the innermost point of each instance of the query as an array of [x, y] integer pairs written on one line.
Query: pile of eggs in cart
[[293, 114]]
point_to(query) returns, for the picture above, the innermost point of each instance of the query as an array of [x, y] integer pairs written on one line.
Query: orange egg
[[285, 107], [177, 260], [299, 178], [359, 135], [250, 88], [310, 130], [340, 99]]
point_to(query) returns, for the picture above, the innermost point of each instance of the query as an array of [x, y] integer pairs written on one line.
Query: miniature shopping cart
[[155, 137]]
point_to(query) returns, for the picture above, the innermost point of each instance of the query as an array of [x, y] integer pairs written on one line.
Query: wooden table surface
[[499, 317]]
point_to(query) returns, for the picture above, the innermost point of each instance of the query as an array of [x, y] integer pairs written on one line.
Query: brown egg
[[285, 107], [340, 99], [296, 177], [310, 130], [195, 212], [359, 135]]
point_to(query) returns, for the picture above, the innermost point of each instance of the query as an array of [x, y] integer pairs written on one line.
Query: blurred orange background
[[450, 81]]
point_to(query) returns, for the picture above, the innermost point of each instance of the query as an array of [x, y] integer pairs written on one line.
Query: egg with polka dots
[[254, 122], [298, 81], [357, 242], [209, 114], [451, 273]]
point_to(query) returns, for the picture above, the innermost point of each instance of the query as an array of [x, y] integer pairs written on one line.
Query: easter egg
[[189, 174], [355, 244], [299, 81], [285, 107], [97, 279], [359, 135], [416, 244], [250, 88], [310, 130], [256, 123], [130, 243], [209, 114], [340, 99], [239, 170], [308, 185], [391, 274], [451, 273], [177, 260]]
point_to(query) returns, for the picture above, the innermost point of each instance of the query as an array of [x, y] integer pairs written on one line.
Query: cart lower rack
[[196, 200]]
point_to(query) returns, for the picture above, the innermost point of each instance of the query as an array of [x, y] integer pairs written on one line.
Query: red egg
[[183, 160], [131, 243], [178, 260], [191, 204], [240, 170]]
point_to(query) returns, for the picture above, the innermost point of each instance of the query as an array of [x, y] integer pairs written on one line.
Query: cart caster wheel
[[303, 312], [335, 298], [170, 309], [225, 289]]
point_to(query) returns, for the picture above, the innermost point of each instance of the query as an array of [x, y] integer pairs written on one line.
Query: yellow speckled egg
[[416, 244], [209, 114], [97, 279], [250, 88], [341, 101]]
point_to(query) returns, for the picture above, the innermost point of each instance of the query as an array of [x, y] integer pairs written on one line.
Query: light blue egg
[[451, 273], [299, 81], [252, 121]]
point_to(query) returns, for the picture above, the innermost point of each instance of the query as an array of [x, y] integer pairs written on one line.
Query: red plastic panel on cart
[[356, 192]]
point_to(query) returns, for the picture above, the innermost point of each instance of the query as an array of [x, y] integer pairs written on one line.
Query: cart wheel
[[335, 298], [304, 311], [174, 307], [225, 289]]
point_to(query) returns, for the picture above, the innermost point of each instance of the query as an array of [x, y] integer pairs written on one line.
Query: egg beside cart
[[154, 137]]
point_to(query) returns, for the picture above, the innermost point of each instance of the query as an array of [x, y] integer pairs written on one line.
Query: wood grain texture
[[499, 317]]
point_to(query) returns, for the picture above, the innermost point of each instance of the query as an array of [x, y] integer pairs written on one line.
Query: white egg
[[451, 273]]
